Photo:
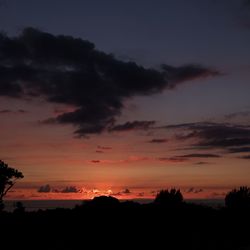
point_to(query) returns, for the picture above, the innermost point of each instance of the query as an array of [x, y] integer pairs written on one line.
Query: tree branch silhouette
[[8, 178]]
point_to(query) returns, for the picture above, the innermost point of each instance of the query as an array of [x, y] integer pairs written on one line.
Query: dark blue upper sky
[[211, 33], [151, 32]]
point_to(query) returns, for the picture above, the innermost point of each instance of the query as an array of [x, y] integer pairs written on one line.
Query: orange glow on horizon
[[125, 194]]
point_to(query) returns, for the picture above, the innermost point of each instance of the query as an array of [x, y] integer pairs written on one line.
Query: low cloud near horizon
[[48, 189]]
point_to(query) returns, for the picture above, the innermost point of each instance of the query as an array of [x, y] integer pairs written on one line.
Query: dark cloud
[[7, 88], [237, 114], [194, 190], [187, 73], [104, 147], [44, 189], [141, 194], [117, 194], [99, 151], [225, 142], [126, 191], [202, 163], [22, 111], [200, 156], [8, 111], [71, 71], [246, 157], [95, 161], [239, 150], [5, 111], [158, 141], [214, 135], [71, 189], [48, 189], [189, 126], [172, 159], [135, 125], [59, 111]]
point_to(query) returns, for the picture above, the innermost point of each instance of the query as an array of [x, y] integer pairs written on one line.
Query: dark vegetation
[[8, 178], [106, 223]]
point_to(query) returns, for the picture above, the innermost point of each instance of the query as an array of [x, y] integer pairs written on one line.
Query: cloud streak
[[130, 159], [8, 111], [188, 72], [239, 150], [48, 189], [246, 157], [172, 159], [44, 189], [213, 135], [200, 156], [158, 141], [135, 125], [104, 147], [71, 189], [237, 115], [194, 190]]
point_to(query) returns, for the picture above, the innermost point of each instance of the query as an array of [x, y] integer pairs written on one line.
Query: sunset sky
[[125, 97]]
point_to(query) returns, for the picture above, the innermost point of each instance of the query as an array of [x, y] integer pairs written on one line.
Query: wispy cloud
[[44, 189], [194, 190], [99, 151], [200, 156], [48, 189], [246, 157], [70, 189], [172, 159], [213, 135], [104, 147], [237, 115], [126, 191], [202, 163], [131, 159], [134, 125], [188, 73], [8, 111], [239, 150], [158, 140]]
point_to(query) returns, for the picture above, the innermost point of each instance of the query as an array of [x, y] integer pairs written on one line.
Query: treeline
[[107, 223]]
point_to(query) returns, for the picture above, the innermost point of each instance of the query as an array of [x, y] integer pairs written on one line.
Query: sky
[[125, 98]]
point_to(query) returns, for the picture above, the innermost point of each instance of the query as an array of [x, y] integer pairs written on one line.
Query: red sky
[[123, 100]]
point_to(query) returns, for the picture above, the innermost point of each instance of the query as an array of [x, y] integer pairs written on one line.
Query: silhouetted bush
[[238, 198], [172, 197], [104, 202], [19, 207], [130, 205], [104, 221]]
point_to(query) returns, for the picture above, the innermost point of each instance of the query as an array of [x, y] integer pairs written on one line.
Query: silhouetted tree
[[19, 207], [238, 198], [172, 197], [8, 177]]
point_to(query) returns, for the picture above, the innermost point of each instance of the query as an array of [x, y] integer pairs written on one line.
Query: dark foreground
[[126, 226]]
